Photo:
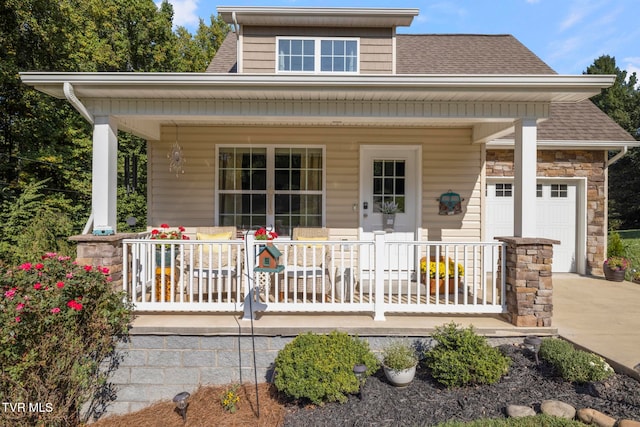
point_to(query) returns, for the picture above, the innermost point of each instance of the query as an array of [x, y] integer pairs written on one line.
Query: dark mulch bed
[[425, 403]]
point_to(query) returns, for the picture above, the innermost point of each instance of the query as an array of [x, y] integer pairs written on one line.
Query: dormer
[[313, 41]]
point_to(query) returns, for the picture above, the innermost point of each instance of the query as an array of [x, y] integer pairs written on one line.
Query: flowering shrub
[[441, 268], [60, 324], [230, 399], [166, 234], [617, 263], [264, 234]]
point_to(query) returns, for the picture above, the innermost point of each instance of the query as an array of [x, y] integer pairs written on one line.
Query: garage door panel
[[556, 213]]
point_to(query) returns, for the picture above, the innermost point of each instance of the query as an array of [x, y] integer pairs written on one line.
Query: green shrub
[[60, 324], [319, 367], [615, 246], [574, 365], [463, 357]]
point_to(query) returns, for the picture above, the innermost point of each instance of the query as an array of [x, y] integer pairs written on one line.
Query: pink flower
[[182, 229], [105, 270], [17, 319], [87, 268], [19, 307], [55, 310], [164, 225], [69, 275], [39, 266], [74, 305], [49, 255], [10, 293], [26, 266], [37, 286], [60, 285], [154, 232]]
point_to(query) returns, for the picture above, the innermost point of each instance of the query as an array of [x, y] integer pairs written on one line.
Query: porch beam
[[104, 181], [524, 215]]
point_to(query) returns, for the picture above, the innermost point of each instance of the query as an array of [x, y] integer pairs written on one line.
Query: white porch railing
[[318, 276]]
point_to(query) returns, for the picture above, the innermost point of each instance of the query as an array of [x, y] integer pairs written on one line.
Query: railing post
[[378, 271]]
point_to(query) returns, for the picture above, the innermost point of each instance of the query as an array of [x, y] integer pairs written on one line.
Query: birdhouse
[[268, 258]]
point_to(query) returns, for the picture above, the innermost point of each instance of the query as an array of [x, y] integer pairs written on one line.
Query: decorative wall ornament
[[450, 203], [176, 157]]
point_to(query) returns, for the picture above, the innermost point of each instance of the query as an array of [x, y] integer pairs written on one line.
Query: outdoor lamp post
[[180, 400], [359, 371], [533, 344]]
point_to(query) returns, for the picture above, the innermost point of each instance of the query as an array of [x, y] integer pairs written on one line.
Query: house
[[314, 117]]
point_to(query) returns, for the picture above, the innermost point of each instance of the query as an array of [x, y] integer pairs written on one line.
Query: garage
[[556, 213]]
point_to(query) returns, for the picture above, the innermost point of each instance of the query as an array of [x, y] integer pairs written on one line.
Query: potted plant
[[615, 268], [443, 271], [399, 362], [165, 233], [389, 210], [636, 276]]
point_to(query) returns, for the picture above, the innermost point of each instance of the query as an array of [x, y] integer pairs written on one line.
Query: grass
[[631, 243]]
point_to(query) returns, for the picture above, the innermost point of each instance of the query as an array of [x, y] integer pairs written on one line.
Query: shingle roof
[[582, 121], [466, 54], [224, 60]]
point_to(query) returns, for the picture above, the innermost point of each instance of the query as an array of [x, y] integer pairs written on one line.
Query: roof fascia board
[[321, 16], [590, 84], [569, 144]]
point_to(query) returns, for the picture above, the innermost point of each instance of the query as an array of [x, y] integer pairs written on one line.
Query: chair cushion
[[217, 236]]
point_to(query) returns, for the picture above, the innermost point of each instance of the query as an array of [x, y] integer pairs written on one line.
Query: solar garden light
[[533, 344], [180, 400], [359, 371]]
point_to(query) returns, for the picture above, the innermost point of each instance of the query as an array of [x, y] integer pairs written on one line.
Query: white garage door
[[555, 218]]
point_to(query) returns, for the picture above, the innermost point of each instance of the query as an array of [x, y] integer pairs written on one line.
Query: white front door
[[390, 174]]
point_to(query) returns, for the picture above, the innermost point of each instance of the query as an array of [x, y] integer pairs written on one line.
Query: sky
[[566, 34]]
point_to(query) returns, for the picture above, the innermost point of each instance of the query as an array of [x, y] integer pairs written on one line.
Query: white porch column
[[104, 179], [525, 156]]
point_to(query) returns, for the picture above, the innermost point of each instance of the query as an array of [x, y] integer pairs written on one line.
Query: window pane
[[259, 180], [296, 63], [326, 48], [284, 47], [338, 64], [309, 47], [377, 168], [282, 180], [314, 180], [308, 63], [296, 47]]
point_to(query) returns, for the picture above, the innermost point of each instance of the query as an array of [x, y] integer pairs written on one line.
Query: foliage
[[389, 207], [538, 420], [574, 365], [165, 233], [616, 263], [45, 138], [441, 269], [32, 224], [264, 234], [615, 246], [621, 102], [230, 399], [399, 356], [60, 326], [462, 357], [319, 367]]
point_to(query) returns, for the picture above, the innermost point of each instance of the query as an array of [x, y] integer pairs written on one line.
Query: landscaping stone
[[519, 411], [558, 409], [591, 416], [628, 423]]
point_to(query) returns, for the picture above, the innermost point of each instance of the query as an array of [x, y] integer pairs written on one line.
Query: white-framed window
[[317, 55], [559, 191], [279, 186], [504, 190]]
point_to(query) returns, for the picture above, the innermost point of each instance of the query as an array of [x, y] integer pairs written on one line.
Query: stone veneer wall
[[529, 283], [576, 163]]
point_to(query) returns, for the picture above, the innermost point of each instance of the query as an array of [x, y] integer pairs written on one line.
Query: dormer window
[[317, 55]]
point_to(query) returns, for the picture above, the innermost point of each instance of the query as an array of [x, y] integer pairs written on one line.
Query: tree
[[621, 102], [45, 138]]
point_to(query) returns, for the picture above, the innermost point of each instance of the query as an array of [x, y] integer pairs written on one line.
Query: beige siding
[[449, 161], [259, 46]]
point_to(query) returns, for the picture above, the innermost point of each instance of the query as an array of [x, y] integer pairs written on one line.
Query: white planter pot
[[400, 378], [388, 222]]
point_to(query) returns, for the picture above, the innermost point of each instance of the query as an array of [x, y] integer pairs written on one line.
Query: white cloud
[[184, 12]]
